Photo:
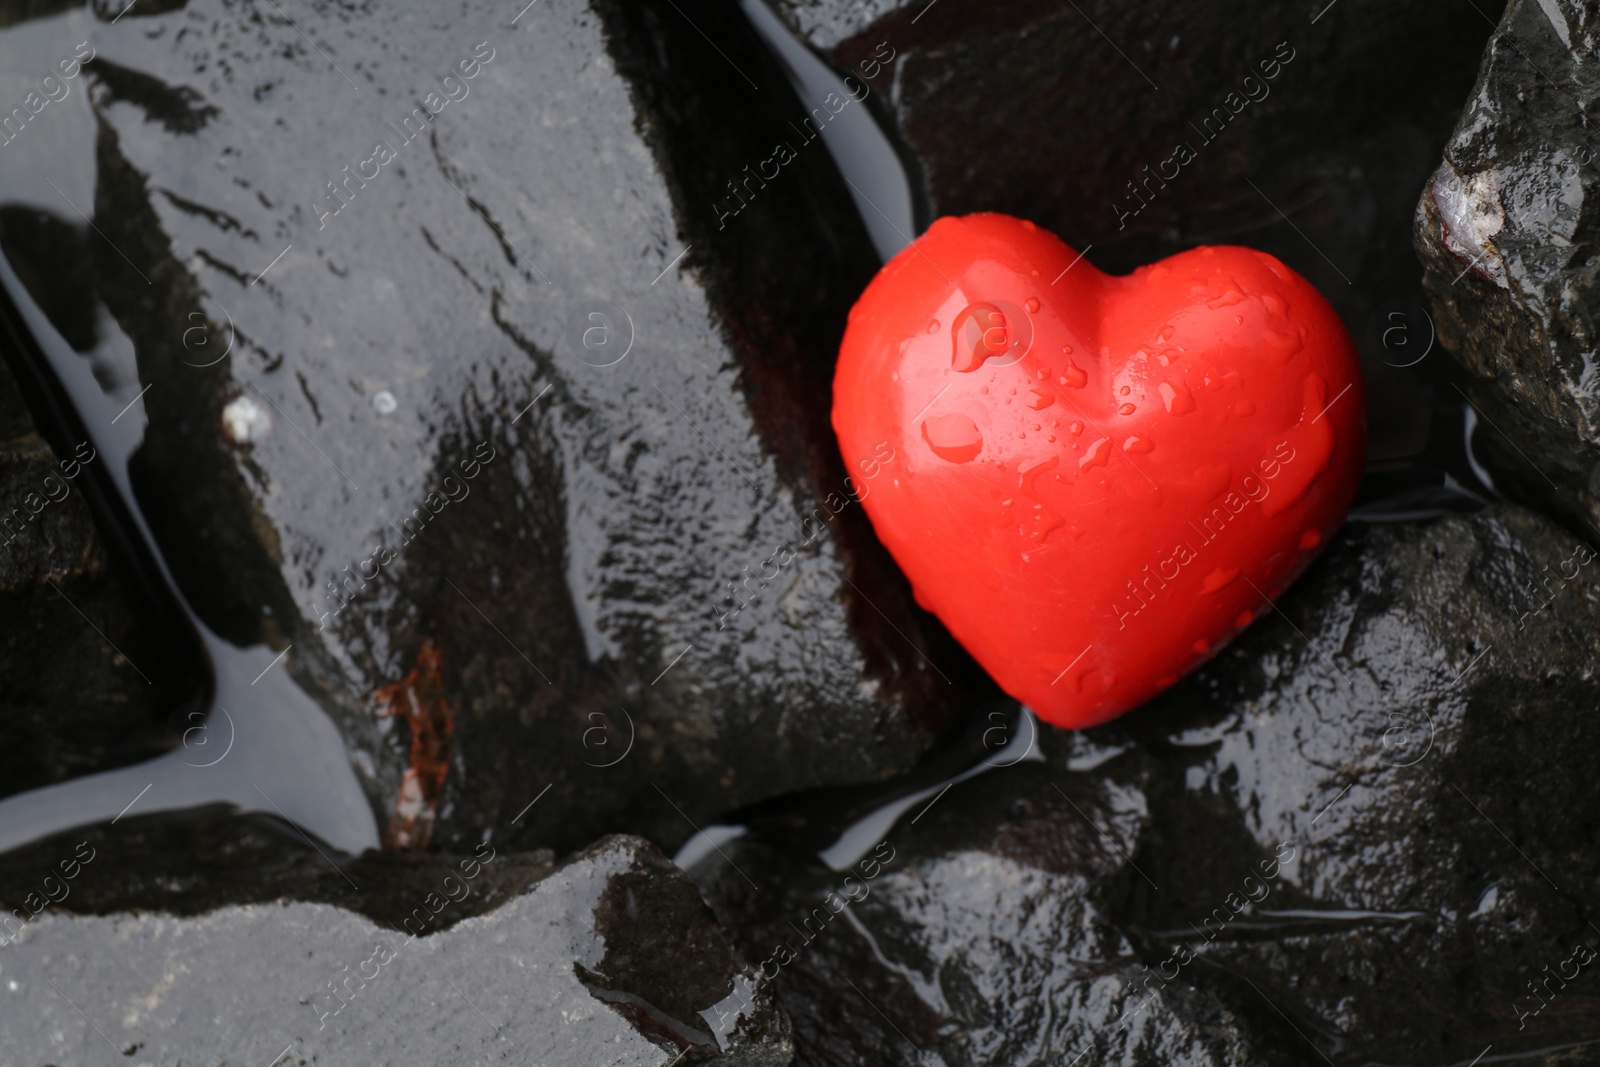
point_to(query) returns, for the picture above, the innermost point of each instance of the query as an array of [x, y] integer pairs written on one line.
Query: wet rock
[[71, 702], [449, 347], [981, 934], [1305, 138], [609, 955], [1359, 835], [1504, 229], [1409, 724]]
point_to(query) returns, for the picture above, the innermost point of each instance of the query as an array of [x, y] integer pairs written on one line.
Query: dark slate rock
[[1066, 114], [1368, 822], [1506, 229], [609, 956], [982, 934], [70, 702], [1412, 724], [567, 523]]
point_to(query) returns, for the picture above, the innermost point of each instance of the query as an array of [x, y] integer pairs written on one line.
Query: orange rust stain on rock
[[418, 698]]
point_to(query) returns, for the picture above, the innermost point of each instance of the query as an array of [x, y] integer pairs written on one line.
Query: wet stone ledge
[[607, 956]]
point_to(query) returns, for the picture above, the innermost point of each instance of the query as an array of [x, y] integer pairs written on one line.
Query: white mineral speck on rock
[[1470, 208], [244, 421]]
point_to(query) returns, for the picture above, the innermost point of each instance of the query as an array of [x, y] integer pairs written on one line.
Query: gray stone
[[609, 957], [1506, 229], [1368, 822], [492, 356]]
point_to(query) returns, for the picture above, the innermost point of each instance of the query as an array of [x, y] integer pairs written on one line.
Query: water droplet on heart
[[933, 325], [1075, 428], [1125, 390], [1273, 303], [1030, 227], [1244, 407], [1218, 579], [1032, 468], [980, 332], [1310, 539], [953, 437], [1200, 647], [1038, 400], [1176, 398], [1138, 444], [1073, 377], [1127, 409], [1166, 332], [1032, 303], [1066, 350], [1005, 503], [1040, 523], [1243, 620], [1096, 455], [1280, 345]]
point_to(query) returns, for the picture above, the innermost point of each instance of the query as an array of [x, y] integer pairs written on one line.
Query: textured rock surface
[[1071, 115], [562, 501], [1368, 822], [70, 703], [1506, 229], [610, 957], [983, 934]]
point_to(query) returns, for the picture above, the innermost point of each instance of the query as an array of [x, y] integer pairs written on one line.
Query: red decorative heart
[[1097, 481]]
